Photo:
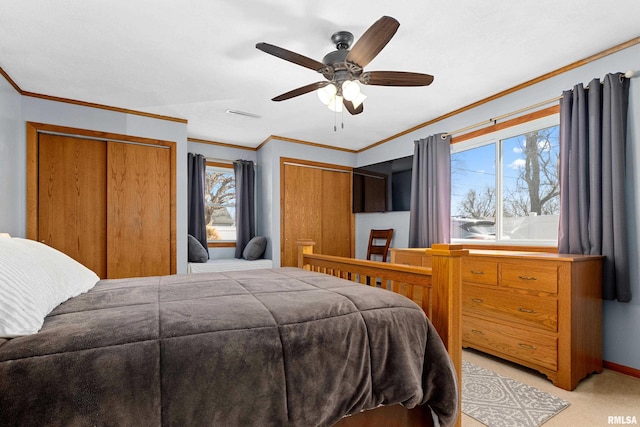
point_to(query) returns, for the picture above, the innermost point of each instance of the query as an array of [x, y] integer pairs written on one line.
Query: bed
[[280, 347]]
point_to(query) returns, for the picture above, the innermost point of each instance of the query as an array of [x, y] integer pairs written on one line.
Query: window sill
[[226, 244], [505, 247]]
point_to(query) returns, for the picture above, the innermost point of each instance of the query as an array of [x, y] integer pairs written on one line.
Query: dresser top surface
[[514, 254]]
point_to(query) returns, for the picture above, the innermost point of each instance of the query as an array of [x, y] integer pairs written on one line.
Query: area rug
[[498, 401]]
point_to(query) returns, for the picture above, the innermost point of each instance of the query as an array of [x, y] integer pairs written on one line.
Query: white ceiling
[[196, 59]]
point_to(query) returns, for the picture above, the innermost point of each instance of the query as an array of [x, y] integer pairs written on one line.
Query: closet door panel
[[336, 215], [72, 198], [301, 210], [138, 210]]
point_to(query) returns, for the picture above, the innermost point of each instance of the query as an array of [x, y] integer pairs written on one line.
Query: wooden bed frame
[[437, 290]]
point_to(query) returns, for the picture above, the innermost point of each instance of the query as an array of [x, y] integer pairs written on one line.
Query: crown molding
[[221, 144], [298, 141], [554, 73], [87, 104]]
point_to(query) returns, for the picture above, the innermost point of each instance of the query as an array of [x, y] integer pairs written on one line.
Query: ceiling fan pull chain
[[335, 128]]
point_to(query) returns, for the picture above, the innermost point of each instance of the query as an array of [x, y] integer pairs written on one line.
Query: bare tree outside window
[[473, 183], [537, 188], [528, 177], [220, 203], [479, 204]]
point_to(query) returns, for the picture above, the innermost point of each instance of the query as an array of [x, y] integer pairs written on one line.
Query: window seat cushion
[[228, 264]]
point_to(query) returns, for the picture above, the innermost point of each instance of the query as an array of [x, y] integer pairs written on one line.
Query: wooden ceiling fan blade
[[395, 78], [300, 91], [373, 41], [350, 108], [290, 56]]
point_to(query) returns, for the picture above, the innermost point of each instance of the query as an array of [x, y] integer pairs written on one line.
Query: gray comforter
[[282, 347]]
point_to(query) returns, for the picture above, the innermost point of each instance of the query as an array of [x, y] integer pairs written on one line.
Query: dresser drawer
[[523, 344], [538, 312], [478, 271], [531, 276], [416, 258]]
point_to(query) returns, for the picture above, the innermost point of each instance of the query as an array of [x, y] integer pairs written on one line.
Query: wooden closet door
[[316, 205], [301, 210], [336, 215], [138, 210], [72, 198]]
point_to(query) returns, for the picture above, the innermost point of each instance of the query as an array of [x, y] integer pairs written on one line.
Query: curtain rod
[[217, 160], [492, 121]]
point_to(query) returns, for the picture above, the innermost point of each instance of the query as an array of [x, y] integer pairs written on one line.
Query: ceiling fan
[[343, 67]]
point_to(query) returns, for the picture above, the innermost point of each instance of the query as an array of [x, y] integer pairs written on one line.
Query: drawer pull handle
[[527, 277], [527, 346], [477, 300], [477, 272], [526, 310], [477, 332]]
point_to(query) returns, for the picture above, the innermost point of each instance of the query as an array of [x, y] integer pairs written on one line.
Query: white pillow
[[35, 279]]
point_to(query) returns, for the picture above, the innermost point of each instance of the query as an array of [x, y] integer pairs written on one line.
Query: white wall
[[621, 335], [11, 158]]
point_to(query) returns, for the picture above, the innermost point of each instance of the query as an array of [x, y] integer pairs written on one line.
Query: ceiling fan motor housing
[[336, 57], [336, 60], [342, 40]]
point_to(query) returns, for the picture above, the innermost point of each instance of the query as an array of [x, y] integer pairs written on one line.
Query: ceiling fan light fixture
[[358, 100], [335, 104], [327, 93], [350, 90]]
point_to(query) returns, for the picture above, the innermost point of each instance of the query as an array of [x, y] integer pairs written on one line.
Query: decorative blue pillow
[[255, 248]]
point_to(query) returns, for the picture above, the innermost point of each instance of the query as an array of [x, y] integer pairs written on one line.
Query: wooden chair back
[[379, 241]]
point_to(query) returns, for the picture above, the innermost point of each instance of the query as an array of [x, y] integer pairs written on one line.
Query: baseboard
[[622, 369]]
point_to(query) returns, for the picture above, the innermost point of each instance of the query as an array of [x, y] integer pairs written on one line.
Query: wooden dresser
[[540, 310]]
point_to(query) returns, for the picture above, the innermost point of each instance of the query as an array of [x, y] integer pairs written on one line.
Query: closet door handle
[[477, 272], [527, 277], [526, 310], [527, 346]]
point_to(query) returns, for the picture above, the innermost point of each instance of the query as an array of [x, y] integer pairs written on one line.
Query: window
[[504, 185], [220, 203]]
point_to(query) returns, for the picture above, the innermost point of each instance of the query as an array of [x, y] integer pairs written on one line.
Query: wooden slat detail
[[374, 270]]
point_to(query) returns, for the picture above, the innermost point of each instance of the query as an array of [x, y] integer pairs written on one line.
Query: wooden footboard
[[437, 290]]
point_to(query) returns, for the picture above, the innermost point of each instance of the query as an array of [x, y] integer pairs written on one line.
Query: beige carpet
[[598, 397]]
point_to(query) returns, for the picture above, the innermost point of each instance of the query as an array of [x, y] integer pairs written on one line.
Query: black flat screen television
[[383, 187]]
